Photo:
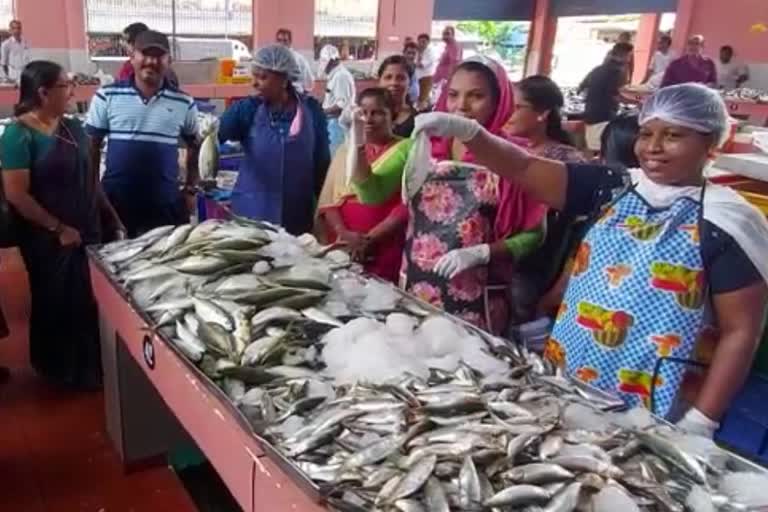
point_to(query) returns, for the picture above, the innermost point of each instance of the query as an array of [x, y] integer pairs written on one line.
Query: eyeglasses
[[65, 85]]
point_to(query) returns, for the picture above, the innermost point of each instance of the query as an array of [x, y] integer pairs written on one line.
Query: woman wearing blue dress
[[285, 140], [670, 262]]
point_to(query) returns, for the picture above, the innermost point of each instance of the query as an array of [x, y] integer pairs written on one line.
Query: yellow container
[[226, 68]]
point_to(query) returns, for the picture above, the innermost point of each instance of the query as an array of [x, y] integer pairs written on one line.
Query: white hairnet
[[329, 52], [279, 59], [691, 105]]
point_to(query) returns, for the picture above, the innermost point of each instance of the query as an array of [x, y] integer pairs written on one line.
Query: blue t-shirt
[[142, 154], [728, 268]]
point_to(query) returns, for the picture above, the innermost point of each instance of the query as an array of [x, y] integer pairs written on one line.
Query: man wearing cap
[[144, 117]]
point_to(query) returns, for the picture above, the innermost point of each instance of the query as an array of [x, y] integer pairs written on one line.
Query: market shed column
[[56, 31]]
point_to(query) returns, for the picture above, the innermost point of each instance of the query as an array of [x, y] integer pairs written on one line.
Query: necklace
[[70, 139]]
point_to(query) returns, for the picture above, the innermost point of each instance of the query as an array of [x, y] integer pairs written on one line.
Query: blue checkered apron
[[635, 299]]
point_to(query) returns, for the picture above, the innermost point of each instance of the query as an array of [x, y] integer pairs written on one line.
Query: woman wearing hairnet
[[668, 256], [285, 140]]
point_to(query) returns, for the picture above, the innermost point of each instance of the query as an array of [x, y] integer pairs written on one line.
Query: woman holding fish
[[285, 139], [462, 217], [375, 234], [668, 254]]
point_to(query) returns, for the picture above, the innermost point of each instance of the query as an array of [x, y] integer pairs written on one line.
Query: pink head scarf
[[516, 211]]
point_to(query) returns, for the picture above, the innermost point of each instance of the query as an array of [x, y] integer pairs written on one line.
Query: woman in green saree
[[373, 233]]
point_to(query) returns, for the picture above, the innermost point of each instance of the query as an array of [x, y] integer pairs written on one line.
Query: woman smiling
[[668, 255]]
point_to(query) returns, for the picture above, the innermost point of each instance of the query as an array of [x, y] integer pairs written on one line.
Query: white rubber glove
[[459, 260], [697, 423], [440, 124]]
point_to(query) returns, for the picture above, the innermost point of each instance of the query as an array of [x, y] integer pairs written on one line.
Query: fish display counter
[[310, 386]]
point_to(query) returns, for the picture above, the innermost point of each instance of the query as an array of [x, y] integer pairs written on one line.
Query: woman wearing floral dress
[[462, 217]]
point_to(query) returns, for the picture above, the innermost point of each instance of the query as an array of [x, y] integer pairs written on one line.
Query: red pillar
[[399, 19], [682, 28], [298, 16], [541, 39], [645, 44]]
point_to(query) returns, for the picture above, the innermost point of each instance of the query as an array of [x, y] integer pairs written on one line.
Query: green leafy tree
[[496, 36]]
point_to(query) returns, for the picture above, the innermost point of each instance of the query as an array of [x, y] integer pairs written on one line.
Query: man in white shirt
[[339, 93], [14, 52], [659, 62], [731, 74], [425, 69], [307, 80]]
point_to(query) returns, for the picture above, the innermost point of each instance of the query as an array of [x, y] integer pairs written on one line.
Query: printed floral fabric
[[636, 298], [455, 208]]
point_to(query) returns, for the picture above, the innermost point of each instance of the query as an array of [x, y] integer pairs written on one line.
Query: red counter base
[[152, 396], [55, 454]]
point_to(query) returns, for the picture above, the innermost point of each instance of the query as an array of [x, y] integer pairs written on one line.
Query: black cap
[[152, 39]]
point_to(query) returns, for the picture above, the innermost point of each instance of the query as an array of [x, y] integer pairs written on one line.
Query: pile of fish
[[460, 441], [746, 94], [258, 310]]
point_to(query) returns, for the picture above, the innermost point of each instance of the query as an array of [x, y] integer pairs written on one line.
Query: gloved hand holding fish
[[386, 404]]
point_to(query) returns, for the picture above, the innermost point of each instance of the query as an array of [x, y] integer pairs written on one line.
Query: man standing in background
[[129, 38], [694, 66], [14, 52], [425, 69], [307, 80], [451, 57], [339, 93], [411, 54], [144, 118], [731, 74], [660, 61], [603, 85]]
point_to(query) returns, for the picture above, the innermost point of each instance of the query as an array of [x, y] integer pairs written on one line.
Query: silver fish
[[321, 317], [380, 476], [519, 443], [177, 237], [151, 272], [188, 343], [409, 506], [519, 496], [415, 478], [588, 465], [435, 497], [124, 255], [376, 452], [550, 446], [538, 473], [470, 492], [668, 450], [183, 303], [201, 265], [317, 439], [273, 314], [211, 312], [208, 158], [567, 499]]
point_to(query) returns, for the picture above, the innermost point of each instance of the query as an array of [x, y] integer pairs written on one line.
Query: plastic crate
[[745, 425]]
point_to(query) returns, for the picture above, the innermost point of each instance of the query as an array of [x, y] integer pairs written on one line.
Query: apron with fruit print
[[453, 209], [636, 296]]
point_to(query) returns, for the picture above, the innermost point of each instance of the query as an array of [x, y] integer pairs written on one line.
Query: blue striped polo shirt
[[142, 154]]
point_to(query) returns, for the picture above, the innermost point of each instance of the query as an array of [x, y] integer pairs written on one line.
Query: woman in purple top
[[691, 67]]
